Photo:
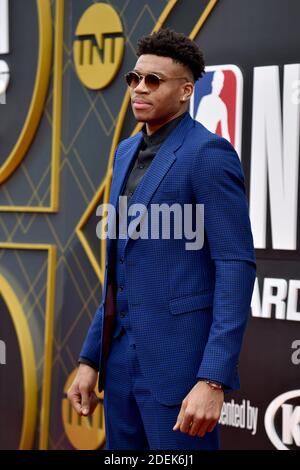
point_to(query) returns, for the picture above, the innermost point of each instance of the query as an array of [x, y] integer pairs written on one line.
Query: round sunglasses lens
[[152, 81], [132, 79]]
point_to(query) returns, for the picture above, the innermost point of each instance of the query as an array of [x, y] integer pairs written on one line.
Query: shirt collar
[[162, 133]]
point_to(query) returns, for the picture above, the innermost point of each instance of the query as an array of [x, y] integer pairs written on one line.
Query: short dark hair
[[169, 43]]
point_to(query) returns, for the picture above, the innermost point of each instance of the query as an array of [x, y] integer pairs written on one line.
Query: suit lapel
[[122, 165], [159, 167]]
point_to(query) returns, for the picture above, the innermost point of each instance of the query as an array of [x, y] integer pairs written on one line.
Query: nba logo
[[217, 102]]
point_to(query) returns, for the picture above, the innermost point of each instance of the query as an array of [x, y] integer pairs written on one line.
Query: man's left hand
[[200, 410]]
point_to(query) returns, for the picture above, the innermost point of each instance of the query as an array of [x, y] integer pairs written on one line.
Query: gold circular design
[[99, 46], [39, 92], [28, 363], [84, 433]]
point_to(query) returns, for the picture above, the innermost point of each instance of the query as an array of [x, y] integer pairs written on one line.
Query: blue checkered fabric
[[188, 308], [133, 418]]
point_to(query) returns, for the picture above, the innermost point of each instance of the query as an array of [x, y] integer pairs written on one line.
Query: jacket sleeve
[[218, 183], [91, 348]]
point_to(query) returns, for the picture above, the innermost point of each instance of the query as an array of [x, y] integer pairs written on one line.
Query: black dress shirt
[[149, 147]]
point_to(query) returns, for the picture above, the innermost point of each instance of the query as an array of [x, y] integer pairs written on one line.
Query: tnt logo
[[99, 46], [282, 421], [217, 102]]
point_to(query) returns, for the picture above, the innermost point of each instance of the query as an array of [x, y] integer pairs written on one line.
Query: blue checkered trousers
[[178, 314]]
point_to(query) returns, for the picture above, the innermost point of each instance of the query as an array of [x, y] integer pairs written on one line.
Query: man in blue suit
[[167, 336]]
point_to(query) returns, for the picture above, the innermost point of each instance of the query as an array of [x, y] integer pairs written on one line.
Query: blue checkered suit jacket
[[188, 308]]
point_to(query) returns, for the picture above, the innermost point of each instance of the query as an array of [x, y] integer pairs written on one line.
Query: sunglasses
[[152, 81]]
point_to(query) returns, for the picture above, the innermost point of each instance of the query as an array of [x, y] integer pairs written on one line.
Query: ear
[[187, 91]]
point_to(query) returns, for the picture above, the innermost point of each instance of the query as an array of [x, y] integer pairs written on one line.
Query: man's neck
[[152, 127]]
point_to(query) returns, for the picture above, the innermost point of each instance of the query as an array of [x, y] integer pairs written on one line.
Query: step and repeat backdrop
[[64, 107]]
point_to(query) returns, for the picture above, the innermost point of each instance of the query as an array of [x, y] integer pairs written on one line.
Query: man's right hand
[[81, 394]]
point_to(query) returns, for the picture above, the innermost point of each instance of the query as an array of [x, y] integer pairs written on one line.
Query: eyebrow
[[160, 74]]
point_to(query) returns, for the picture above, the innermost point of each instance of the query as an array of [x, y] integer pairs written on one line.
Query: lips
[[140, 104]]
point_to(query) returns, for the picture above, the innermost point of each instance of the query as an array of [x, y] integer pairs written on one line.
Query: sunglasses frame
[[152, 87]]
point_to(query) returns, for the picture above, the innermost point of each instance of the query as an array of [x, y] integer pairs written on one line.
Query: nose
[[141, 87]]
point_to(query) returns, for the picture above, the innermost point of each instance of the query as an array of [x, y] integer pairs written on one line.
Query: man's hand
[[81, 393], [200, 410]]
